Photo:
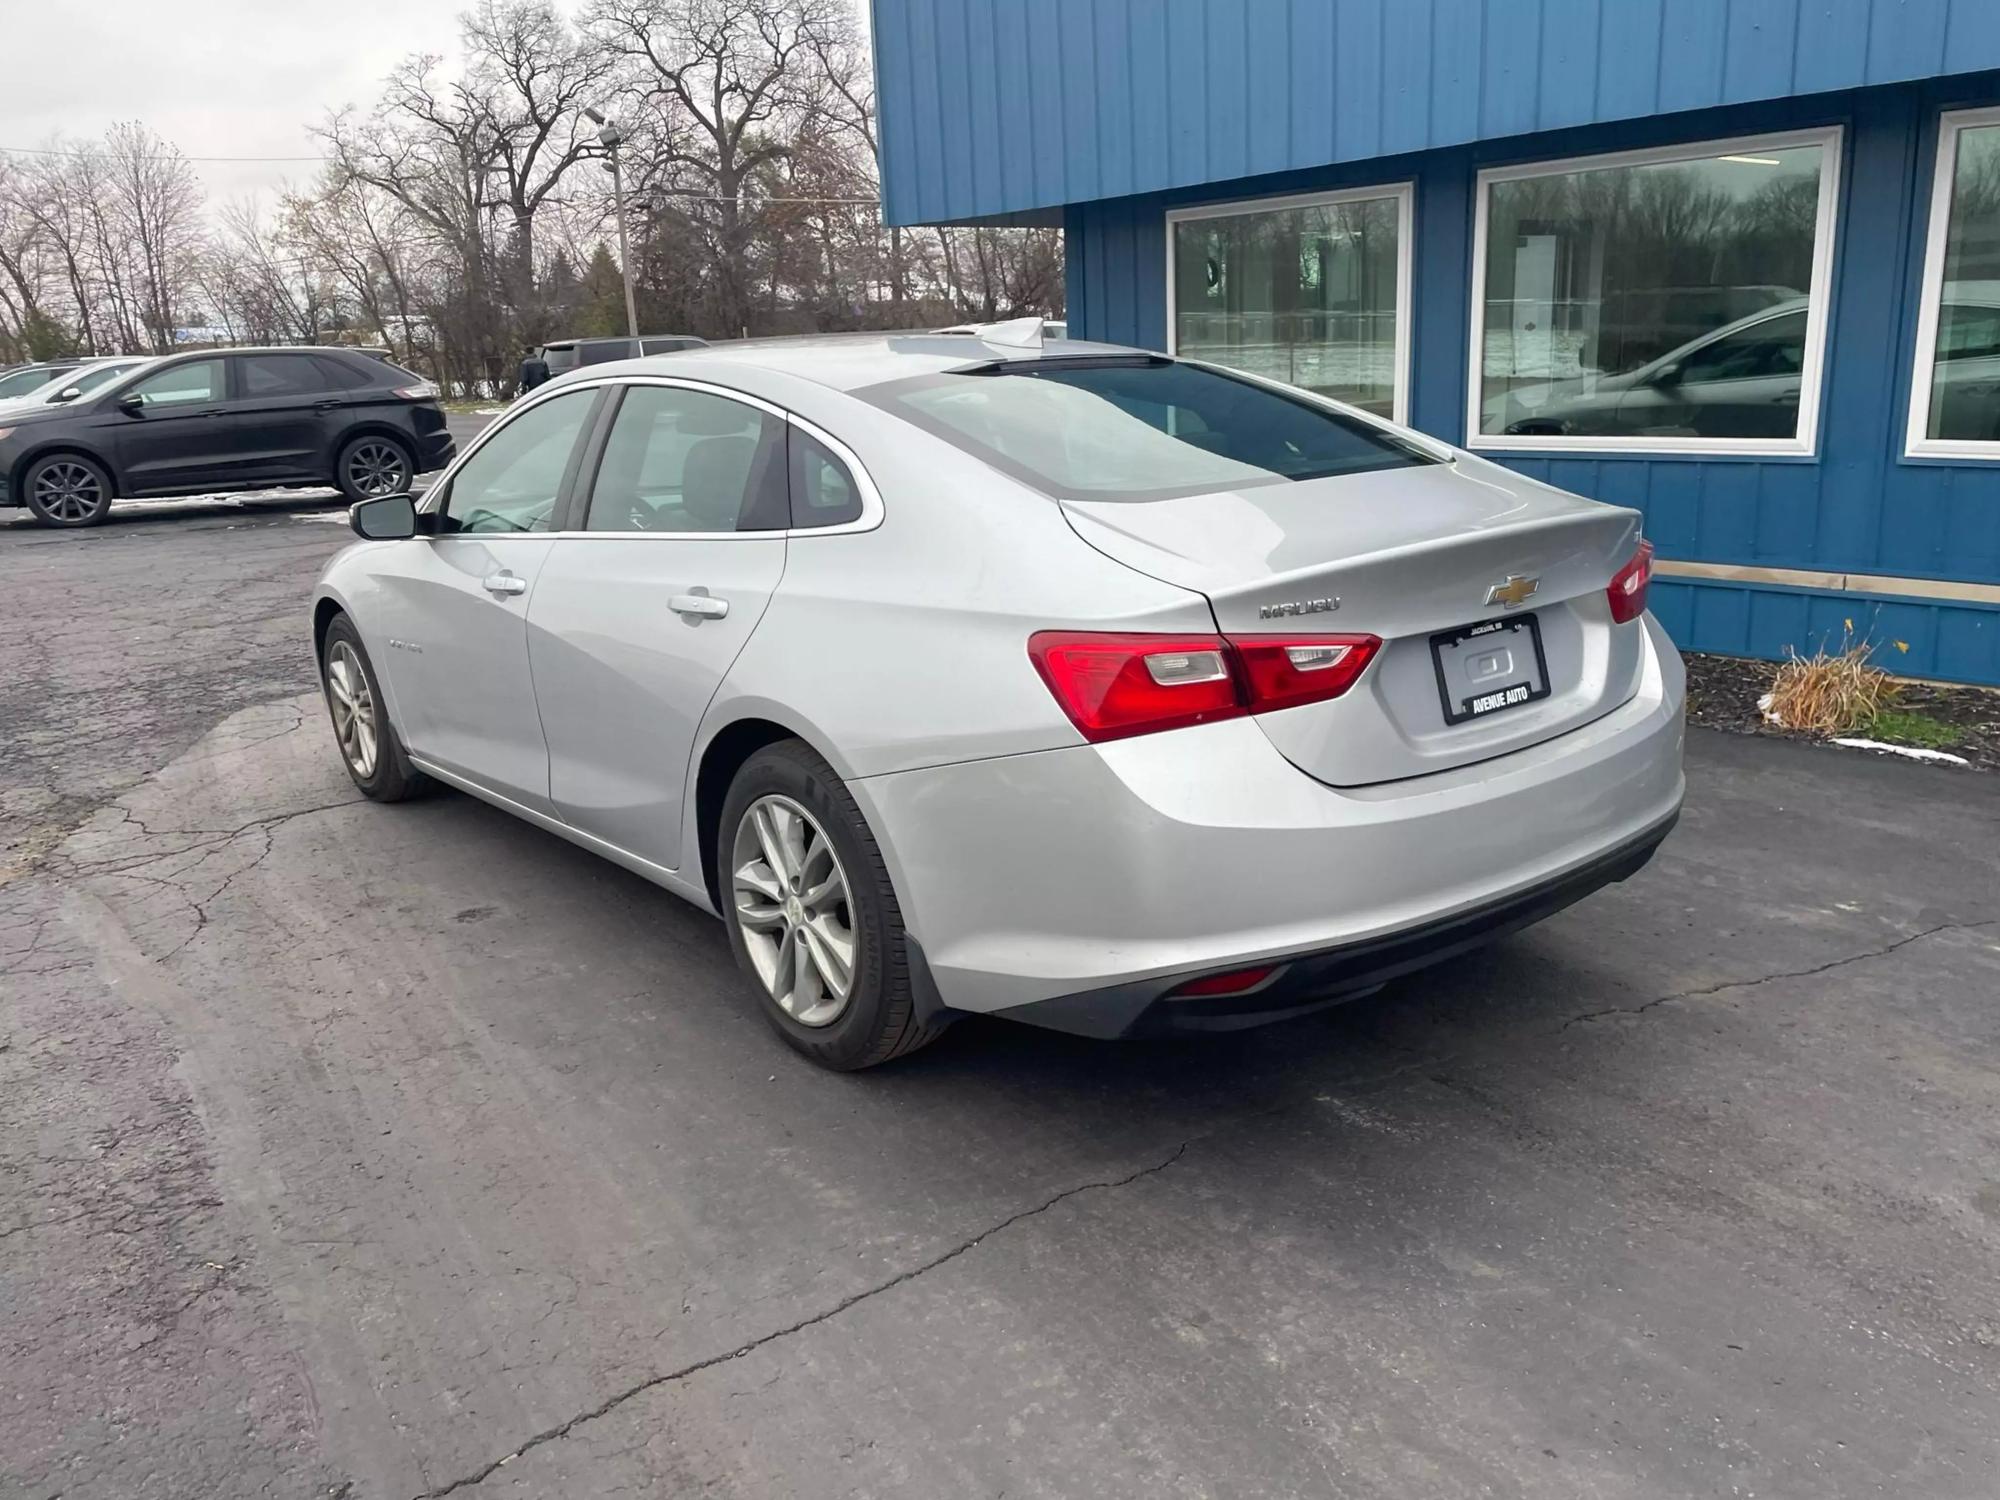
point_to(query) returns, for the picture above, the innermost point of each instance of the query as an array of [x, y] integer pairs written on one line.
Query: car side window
[[338, 375], [680, 461], [511, 480], [183, 385], [823, 490], [266, 375], [1774, 348]]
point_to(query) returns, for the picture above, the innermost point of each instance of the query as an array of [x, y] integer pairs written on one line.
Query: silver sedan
[[961, 674]]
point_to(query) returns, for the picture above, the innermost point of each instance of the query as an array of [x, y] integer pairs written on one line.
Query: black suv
[[221, 420]]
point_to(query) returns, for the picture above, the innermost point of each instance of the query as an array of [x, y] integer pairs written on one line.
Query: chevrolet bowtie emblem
[[1515, 591]]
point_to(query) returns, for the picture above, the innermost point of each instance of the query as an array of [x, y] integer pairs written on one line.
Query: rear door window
[[269, 375], [1133, 430], [689, 461], [603, 351]]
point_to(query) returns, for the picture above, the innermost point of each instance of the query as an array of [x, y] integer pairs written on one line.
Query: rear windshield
[[1140, 431]]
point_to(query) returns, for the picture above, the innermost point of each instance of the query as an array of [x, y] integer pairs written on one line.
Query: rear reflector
[[1234, 982], [1628, 586], [1112, 686]]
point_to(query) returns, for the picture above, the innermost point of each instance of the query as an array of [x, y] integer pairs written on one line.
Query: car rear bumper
[[434, 451], [1075, 887]]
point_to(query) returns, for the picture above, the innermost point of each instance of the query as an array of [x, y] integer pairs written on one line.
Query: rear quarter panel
[[907, 645]]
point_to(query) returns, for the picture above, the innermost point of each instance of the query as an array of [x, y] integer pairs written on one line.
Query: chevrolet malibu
[[1110, 692]]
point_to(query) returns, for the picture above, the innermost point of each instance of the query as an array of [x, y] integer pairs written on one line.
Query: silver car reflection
[[1063, 682]]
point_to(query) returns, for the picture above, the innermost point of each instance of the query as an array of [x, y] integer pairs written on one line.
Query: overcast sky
[[218, 78]]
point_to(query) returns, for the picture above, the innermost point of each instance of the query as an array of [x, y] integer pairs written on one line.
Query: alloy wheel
[[794, 910], [375, 469], [67, 491], [353, 709]]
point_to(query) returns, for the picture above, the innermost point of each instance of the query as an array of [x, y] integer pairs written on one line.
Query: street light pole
[[609, 136]]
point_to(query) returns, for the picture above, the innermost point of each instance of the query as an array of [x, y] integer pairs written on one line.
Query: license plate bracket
[[1489, 667]]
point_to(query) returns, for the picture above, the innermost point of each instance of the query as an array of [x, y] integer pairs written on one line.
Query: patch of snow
[[1764, 708], [1908, 750], [489, 411]]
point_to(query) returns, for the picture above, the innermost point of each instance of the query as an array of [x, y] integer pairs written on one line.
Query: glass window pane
[[510, 482], [1138, 432], [1302, 295], [183, 384], [823, 492], [1666, 300], [684, 460], [1965, 380]]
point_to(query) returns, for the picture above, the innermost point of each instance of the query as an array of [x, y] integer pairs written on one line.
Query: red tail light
[[1287, 670], [1628, 586], [1112, 686]]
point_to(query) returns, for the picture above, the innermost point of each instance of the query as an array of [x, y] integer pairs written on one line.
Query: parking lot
[[366, 1151]]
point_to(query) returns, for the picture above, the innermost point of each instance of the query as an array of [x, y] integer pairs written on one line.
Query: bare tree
[[720, 83], [152, 227]]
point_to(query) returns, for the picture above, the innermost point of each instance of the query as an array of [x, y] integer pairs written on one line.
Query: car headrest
[[713, 479]]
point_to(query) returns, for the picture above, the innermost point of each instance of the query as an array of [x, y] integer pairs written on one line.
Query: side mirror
[[67, 393], [392, 518], [1666, 377], [131, 403]]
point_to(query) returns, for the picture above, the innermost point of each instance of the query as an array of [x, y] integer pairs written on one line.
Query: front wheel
[[812, 915], [67, 489], [370, 467], [369, 745]]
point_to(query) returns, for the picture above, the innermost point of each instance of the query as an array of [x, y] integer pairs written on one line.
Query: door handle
[[504, 582], [698, 606]]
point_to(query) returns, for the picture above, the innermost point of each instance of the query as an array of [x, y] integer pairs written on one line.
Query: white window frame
[[1805, 442], [1404, 194], [1917, 441]]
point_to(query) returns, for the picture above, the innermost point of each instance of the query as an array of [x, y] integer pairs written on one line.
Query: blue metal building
[[1735, 263]]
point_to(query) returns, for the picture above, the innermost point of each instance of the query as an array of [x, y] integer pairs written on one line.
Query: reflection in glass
[[1965, 380], [1665, 300], [1303, 295]]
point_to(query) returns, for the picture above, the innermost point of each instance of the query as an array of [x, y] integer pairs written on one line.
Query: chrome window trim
[[871, 497]]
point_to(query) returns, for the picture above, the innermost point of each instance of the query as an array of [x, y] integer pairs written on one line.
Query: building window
[[1313, 291], [1661, 301], [1955, 397]]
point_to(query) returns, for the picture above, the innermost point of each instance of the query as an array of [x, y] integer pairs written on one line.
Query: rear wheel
[[370, 467], [67, 489], [812, 915], [369, 746]]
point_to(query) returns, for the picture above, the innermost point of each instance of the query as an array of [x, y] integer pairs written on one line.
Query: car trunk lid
[[1412, 555]]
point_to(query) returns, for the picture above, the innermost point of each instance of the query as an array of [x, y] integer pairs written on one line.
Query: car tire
[[361, 719], [67, 490], [372, 466], [877, 1018]]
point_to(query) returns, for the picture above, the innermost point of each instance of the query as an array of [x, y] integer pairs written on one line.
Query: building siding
[[1857, 506], [1100, 98]]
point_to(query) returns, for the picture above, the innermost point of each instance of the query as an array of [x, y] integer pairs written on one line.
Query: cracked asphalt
[[357, 1151]]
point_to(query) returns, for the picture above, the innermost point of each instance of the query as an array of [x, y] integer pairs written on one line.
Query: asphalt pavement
[[358, 1151]]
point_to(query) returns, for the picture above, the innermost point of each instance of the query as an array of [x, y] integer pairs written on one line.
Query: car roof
[[851, 361]]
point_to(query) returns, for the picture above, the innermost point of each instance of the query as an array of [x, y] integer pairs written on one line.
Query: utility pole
[[609, 136]]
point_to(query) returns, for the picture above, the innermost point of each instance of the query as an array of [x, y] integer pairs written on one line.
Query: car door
[[455, 602], [170, 440], [277, 415], [1744, 384], [641, 609]]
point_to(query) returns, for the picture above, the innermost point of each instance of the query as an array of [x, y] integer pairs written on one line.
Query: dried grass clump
[[1831, 694]]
